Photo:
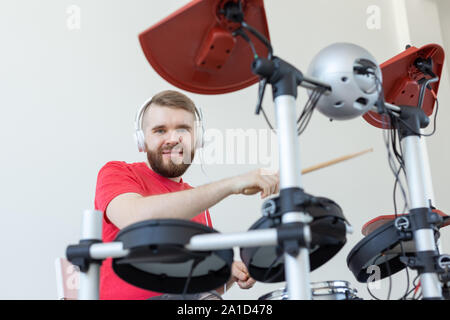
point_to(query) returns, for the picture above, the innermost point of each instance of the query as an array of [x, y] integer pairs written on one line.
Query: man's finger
[[273, 182], [240, 275], [246, 284]]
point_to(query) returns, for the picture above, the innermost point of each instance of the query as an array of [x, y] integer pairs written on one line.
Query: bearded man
[[128, 193]]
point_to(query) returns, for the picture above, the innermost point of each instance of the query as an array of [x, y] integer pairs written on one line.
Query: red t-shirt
[[116, 178]]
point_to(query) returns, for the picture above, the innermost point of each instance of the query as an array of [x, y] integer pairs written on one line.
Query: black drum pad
[[328, 233], [158, 260]]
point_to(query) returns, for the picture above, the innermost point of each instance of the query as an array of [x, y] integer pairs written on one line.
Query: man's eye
[[160, 131], [182, 130]]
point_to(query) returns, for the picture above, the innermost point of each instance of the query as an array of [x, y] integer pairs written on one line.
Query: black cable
[[266, 274], [423, 88], [267, 120], [317, 92], [368, 287], [434, 125], [420, 294], [305, 116], [401, 243], [390, 140], [310, 104], [414, 286], [260, 37], [261, 91], [241, 32], [392, 165], [308, 110], [307, 104], [400, 160], [434, 121], [188, 280], [399, 157], [388, 267]]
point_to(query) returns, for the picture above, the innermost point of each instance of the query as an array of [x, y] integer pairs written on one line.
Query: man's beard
[[169, 169]]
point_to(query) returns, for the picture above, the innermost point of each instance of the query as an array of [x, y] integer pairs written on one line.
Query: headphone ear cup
[[140, 140], [199, 135]]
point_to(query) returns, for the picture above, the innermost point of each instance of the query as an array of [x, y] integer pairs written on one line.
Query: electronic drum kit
[[298, 232]]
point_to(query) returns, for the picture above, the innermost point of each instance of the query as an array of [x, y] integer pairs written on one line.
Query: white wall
[[68, 99]]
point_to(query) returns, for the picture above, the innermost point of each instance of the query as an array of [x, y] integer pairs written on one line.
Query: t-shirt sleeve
[[113, 179]]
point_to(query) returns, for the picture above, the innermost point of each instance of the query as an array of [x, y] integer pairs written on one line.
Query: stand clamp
[[293, 236], [420, 218], [79, 255], [412, 120], [275, 207], [425, 261], [443, 262]]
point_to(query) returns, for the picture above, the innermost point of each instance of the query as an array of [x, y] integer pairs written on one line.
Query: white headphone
[[139, 136]]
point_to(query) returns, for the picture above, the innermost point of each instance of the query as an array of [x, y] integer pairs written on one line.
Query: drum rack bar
[[297, 268], [108, 250], [91, 231], [255, 238], [419, 191], [92, 251]]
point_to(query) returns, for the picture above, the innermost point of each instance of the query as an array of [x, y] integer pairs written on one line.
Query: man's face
[[169, 138]]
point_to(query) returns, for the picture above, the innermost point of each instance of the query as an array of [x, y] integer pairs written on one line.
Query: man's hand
[[261, 180], [240, 275]]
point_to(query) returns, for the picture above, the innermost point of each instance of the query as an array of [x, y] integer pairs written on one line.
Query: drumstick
[[334, 161], [249, 191]]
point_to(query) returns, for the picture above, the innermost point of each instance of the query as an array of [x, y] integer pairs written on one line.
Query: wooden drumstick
[[334, 161], [250, 191]]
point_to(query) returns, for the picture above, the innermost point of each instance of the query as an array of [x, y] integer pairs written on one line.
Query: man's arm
[[129, 208]]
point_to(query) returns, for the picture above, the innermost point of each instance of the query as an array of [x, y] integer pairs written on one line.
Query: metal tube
[[91, 225], [311, 83], [419, 182], [414, 172], [91, 230], [288, 143], [296, 268], [297, 275], [392, 107], [254, 238], [102, 251], [89, 283], [395, 110], [427, 241], [428, 181], [431, 286]]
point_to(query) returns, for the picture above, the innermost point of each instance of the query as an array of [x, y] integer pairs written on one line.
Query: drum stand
[[421, 221], [294, 235]]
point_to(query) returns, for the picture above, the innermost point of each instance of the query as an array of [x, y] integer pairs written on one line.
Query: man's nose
[[174, 137]]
